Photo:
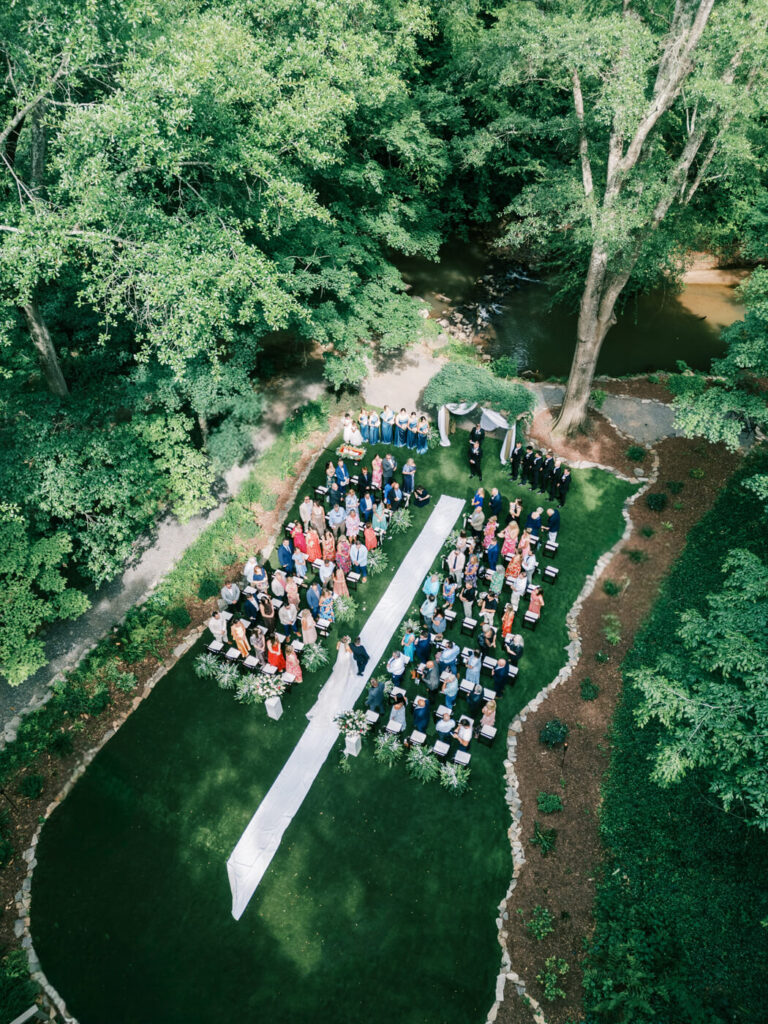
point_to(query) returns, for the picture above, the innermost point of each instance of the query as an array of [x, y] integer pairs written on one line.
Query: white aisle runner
[[259, 842]]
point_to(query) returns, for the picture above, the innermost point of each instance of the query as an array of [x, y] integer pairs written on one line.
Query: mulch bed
[[564, 881], [600, 442], [636, 387]]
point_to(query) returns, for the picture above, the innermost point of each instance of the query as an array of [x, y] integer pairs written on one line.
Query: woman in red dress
[[313, 546], [275, 653], [298, 538], [537, 603], [371, 540], [343, 557], [507, 620], [329, 547]]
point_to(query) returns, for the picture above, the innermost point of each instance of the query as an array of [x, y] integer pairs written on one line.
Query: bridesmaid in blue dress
[[401, 429], [374, 427], [363, 424], [412, 431], [387, 419], [422, 439]]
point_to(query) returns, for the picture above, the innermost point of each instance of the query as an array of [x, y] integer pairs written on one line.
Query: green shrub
[[178, 616], [541, 923], [553, 733], [61, 744], [589, 690], [636, 453], [455, 778], [675, 486], [206, 666], [612, 629], [345, 609], [554, 968], [636, 555], [647, 531], [611, 588], [31, 786], [378, 560], [544, 838], [313, 657], [208, 586], [505, 366], [17, 990], [421, 765], [401, 521], [143, 634], [656, 501], [697, 474], [597, 398], [601, 657], [387, 749], [549, 803]]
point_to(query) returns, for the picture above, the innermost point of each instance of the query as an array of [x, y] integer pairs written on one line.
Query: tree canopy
[[462, 382]]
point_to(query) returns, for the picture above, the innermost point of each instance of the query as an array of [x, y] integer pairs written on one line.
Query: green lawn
[[381, 901]]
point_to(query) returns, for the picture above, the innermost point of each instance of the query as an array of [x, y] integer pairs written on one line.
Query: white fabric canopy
[[489, 420], [259, 842]]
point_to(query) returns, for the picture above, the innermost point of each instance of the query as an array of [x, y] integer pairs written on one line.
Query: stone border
[[512, 793], [23, 898]]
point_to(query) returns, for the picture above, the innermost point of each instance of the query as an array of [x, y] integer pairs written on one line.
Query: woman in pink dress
[[313, 546], [292, 592], [537, 603], [489, 532], [376, 473], [340, 587], [371, 540], [510, 533], [343, 557], [308, 631], [298, 538], [524, 547], [329, 547], [353, 524], [292, 665]]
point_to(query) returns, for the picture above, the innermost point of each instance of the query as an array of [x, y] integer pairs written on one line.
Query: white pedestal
[[353, 744], [274, 707]]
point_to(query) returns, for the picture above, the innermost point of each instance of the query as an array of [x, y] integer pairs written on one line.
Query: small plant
[[589, 690], [401, 521], [553, 733], [387, 750], [696, 473], [505, 366], [612, 629], [421, 765], [541, 923], [554, 968], [647, 531], [675, 486], [544, 838], [636, 555], [378, 560], [314, 656], [549, 803], [601, 657], [31, 786], [612, 588], [227, 676], [598, 397], [344, 609], [455, 777], [124, 681], [206, 666], [61, 744], [657, 501], [635, 453], [667, 525], [344, 766], [653, 378], [677, 505]]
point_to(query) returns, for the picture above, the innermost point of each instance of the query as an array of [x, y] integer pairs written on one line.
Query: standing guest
[[496, 502], [477, 435], [530, 565], [279, 580], [374, 427], [519, 587], [342, 477], [422, 441], [369, 534], [462, 543], [293, 665], [325, 572], [308, 630], [259, 647], [488, 607], [472, 570], [431, 585], [514, 646], [285, 556], [421, 714], [500, 677], [326, 606], [515, 511], [510, 533], [275, 653], [478, 499], [420, 497], [488, 721], [330, 473], [230, 594], [412, 431], [358, 552], [251, 610], [554, 482], [376, 473], [248, 569], [351, 501], [287, 616], [449, 656], [314, 593], [408, 643], [507, 620], [218, 626], [343, 557], [379, 518], [376, 696], [450, 689], [353, 524], [388, 469], [366, 506], [314, 553], [533, 522], [305, 512], [489, 532], [387, 423], [298, 540], [422, 648], [536, 467], [329, 547], [547, 469], [428, 609], [467, 598], [487, 640], [401, 429], [475, 700], [455, 563], [438, 622], [362, 423], [397, 714], [361, 656], [537, 602], [318, 519], [524, 546], [553, 524], [515, 459], [337, 517], [409, 475], [432, 679], [364, 480], [292, 592], [396, 667], [492, 553], [525, 474], [474, 667], [334, 496], [564, 486], [475, 461], [476, 521], [450, 588]]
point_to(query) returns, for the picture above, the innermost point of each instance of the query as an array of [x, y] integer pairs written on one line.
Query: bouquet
[[348, 451], [352, 722]]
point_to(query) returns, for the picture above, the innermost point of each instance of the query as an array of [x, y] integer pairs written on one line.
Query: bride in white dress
[[331, 697]]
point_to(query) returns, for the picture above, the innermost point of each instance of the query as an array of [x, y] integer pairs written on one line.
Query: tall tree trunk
[[41, 339]]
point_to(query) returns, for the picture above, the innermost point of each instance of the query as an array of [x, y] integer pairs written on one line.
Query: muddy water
[[652, 332]]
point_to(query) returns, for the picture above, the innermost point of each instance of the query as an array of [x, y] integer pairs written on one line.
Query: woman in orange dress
[[340, 587], [329, 547], [241, 640], [507, 620], [313, 546], [275, 653], [371, 540], [537, 603], [514, 568], [293, 666]]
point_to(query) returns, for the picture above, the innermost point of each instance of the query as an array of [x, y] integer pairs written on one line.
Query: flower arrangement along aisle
[[352, 722]]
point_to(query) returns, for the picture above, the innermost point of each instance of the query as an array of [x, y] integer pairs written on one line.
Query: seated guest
[[230, 594], [420, 497], [445, 726], [489, 715], [397, 714], [366, 506], [463, 733], [421, 714], [396, 667]]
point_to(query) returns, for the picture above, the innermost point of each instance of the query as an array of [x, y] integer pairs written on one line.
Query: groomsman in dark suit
[[547, 469], [475, 460], [476, 434], [554, 482], [525, 475], [564, 486], [515, 459], [536, 466]]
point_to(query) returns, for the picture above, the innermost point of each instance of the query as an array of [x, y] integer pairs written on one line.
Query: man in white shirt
[[305, 512], [519, 586], [396, 667], [455, 563], [287, 616], [359, 554], [218, 626], [326, 572], [445, 726]]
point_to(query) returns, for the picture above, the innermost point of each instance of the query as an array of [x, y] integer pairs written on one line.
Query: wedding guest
[[371, 540], [554, 482], [366, 506], [547, 469], [326, 606], [337, 519], [376, 473], [277, 586], [428, 609], [401, 429], [259, 647], [325, 573], [431, 585], [455, 563], [553, 524], [396, 667], [359, 554], [564, 486], [376, 697], [421, 714], [397, 714], [293, 665], [420, 497], [314, 593], [305, 512], [275, 653], [537, 602], [475, 700], [379, 519], [412, 432], [477, 435], [285, 556], [496, 502], [450, 689], [329, 547], [445, 726], [308, 630], [388, 469], [364, 480], [527, 464], [343, 557], [409, 475], [340, 587], [474, 666], [218, 626], [287, 616], [230, 594], [318, 518], [353, 524], [292, 592], [314, 553], [362, 423], [489, 715]]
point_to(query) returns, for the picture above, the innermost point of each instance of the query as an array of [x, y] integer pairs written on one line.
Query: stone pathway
[[644, 419]]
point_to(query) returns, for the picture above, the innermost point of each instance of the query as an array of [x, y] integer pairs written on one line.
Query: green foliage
[[541, 923], [31, 786], [598, 397], [611, 587], [612, 629], [345, 609], [601, 657], [554, 968], [477, 384], [421, 765], [400, 522], [461, 352], [553, 733], [696, 473], [544, 838], [207, 666], [635, 453], [656, 501], [61, 744], [589, 690], [505, 366], [17, 990], [455, 777], [228, 676], [647, 531], [344, 765], [636, 555], [142, 634], [387, 749], [314, 656], [549, 803], [675, 486]]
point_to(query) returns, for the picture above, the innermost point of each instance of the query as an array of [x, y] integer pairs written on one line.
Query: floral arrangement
[[451, 542], [352, 722], [255, 689], [378, 560], [455, 777], [344, 609], [388, 750], [207, 666], [401, 521], [421, 765], [348, 451], [314, 656], [228, 676]]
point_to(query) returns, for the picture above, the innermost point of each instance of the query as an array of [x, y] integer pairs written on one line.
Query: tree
[[622, 119], [711, 696]]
